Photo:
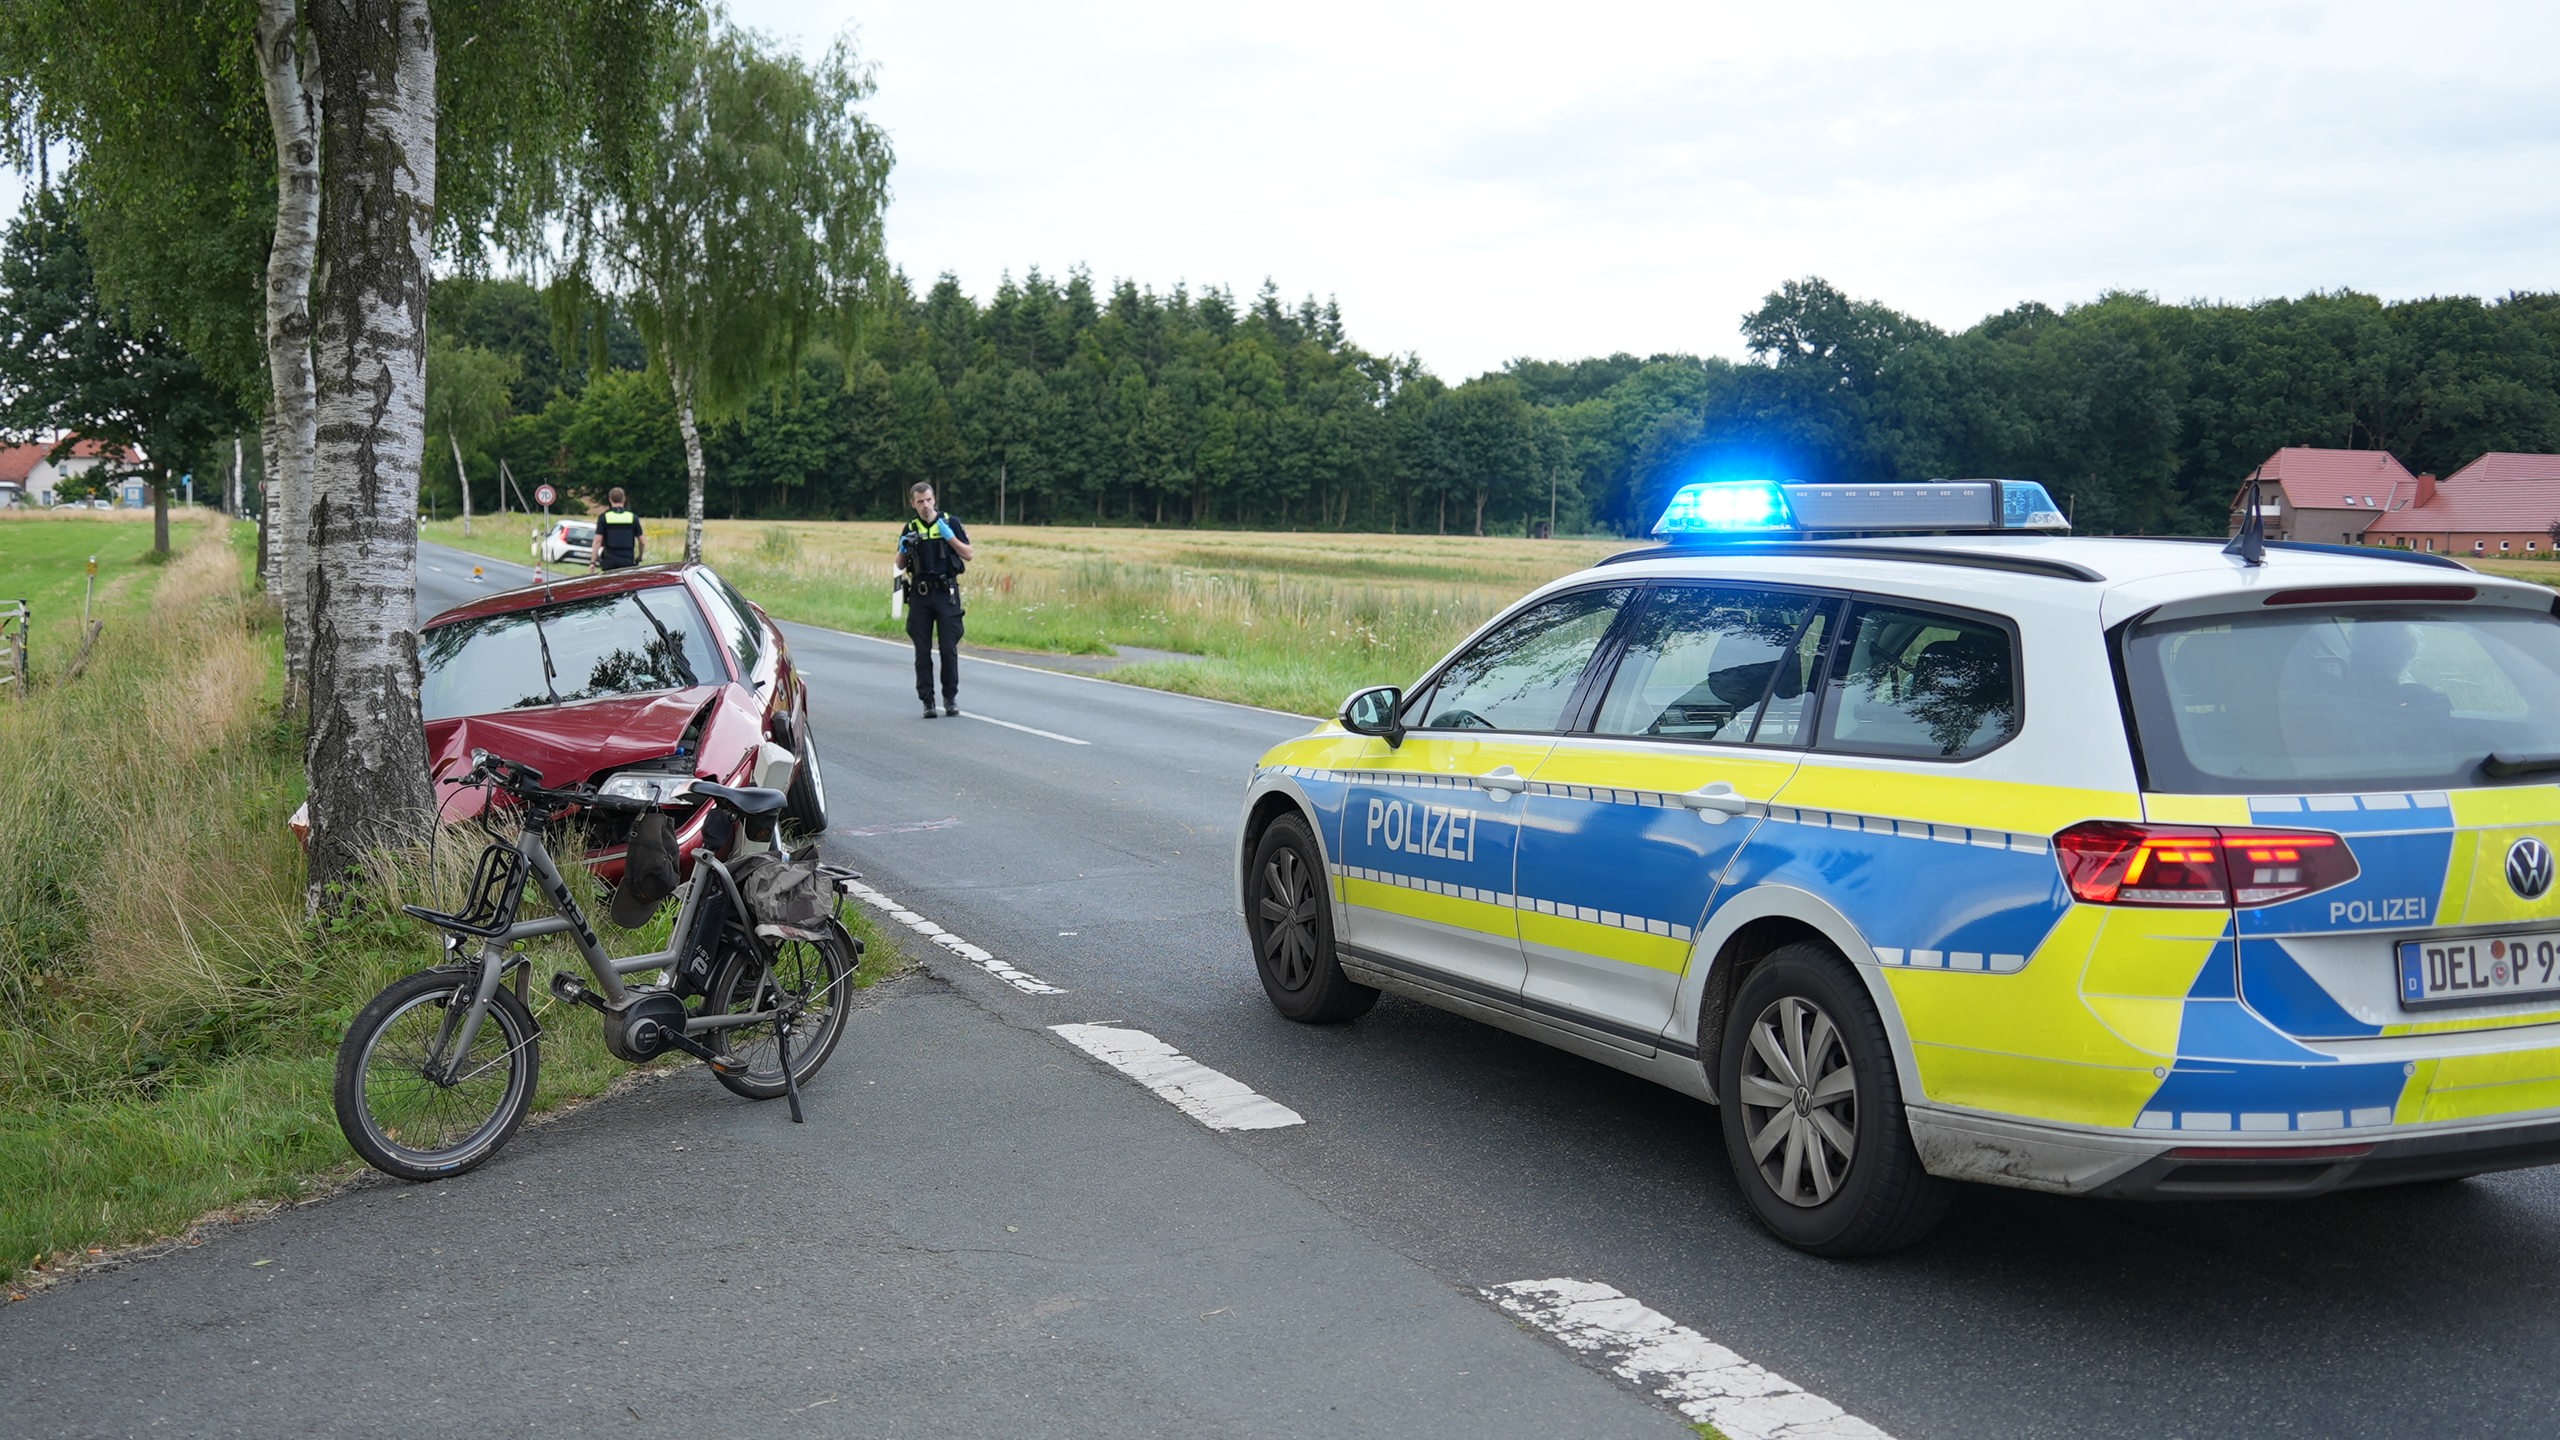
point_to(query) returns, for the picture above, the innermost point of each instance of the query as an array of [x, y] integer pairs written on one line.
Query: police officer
[[932, 551], [619, 543]]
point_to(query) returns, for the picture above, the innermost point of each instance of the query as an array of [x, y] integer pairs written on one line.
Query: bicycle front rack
[[489, 902]]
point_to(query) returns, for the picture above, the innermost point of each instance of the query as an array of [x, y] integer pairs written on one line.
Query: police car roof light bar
[[1734, 508]]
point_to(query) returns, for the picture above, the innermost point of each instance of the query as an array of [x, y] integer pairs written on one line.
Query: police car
[[1978, 852]]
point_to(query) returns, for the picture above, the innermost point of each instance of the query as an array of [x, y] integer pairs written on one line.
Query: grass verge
[[168, 1019], [1292, 621]]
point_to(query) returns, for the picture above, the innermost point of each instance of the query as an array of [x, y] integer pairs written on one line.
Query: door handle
[[1503, 781], [1715, 801]]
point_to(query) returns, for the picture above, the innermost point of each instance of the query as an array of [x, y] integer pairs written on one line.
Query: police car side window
[[1922, 684], [1524, 674], [1716, 664]]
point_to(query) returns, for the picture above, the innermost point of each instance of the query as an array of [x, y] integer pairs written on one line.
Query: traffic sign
[[543, 495]]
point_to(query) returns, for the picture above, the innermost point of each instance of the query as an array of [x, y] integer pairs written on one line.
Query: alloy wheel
[[1799, 1101], [1288, 910]]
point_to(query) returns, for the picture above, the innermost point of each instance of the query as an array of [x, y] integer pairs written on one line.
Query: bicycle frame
[[495, 957]]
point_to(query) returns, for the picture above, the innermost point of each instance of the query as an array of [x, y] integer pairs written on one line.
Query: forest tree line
[[1073, 405]]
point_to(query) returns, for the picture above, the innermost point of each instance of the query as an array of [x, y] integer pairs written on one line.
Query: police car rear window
[[1921, 684], [2352, 698]]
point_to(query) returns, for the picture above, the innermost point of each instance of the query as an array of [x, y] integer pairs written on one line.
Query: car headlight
[[642, 785]]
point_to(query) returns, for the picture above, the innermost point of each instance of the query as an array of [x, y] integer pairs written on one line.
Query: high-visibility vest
[[618, 537]]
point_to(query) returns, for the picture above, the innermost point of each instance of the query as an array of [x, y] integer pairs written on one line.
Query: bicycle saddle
[[751, 801]]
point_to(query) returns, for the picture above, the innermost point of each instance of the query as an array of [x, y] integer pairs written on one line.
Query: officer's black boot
[[928, 709]]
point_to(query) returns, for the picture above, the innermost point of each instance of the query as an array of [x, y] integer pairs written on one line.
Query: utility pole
[[999, 492]]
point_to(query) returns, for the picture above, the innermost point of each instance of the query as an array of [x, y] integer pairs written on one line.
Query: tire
[[805, 802], [819, 974], [1834, 1172], [1288, 911], [403, 1122]]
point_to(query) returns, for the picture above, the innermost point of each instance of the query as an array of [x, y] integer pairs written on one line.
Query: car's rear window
[[604, 645], [2356, 698]]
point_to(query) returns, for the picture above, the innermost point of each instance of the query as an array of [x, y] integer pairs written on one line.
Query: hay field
[[1289, 620]]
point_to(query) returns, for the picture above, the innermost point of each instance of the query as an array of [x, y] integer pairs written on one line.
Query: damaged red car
[[636, 681]]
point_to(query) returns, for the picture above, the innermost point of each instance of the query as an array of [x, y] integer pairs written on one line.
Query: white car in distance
[[566, 542]]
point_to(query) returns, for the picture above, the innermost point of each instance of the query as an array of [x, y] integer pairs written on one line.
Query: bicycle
[[437, 1071]]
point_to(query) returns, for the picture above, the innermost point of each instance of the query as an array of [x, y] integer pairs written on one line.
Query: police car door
[[1627, 828], [1429, 825]]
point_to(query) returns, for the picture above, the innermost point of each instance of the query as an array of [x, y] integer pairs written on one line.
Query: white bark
[[692, 463], [367, 757], [293, 113]]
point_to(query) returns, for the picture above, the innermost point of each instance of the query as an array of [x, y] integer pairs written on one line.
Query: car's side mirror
[[1378, 711]]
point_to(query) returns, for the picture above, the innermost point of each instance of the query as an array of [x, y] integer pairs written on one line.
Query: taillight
[[2115, 862]]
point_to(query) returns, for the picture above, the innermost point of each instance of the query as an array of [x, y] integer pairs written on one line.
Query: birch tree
[[289, 430], [753, 225]]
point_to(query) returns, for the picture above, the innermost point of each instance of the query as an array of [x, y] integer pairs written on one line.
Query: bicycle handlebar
[[525, 783]]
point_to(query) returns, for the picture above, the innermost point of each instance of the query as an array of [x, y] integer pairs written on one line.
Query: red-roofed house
[[2328, 496], [2500, 504], [26, 476]]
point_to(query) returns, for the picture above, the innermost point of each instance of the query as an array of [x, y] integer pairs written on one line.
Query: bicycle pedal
[[566, 988]]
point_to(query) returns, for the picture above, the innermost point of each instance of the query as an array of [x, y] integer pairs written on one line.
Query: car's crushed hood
[[567, 743]]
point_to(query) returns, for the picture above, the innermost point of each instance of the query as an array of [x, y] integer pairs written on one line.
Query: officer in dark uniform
[[932, 551], [619, 543]]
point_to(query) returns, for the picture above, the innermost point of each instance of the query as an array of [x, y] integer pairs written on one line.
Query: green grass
[[43, 561], [168, 1019], [1292, 621]]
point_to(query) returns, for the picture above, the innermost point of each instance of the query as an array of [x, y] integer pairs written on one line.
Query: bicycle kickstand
[[782, 1044]]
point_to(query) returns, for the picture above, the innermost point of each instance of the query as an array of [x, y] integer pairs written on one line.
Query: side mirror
[[1378, 711]]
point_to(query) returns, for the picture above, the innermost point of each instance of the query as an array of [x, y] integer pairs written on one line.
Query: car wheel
[[1288, 911], [805, 802], [1812, 1111]]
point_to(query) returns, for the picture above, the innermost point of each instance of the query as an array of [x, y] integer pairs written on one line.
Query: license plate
[[2481, 970]]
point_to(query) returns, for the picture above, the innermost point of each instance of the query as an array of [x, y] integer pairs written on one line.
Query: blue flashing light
[[2027, 505], [1781, 508], [1726, 507]]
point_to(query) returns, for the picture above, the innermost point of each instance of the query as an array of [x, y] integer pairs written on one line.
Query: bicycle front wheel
[[810, 985], [407, 1104]]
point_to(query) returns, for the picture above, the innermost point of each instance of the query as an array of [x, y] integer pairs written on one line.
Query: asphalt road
[[1438, 1157]]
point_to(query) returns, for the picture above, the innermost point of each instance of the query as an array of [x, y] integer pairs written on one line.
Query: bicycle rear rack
[[489, 902]]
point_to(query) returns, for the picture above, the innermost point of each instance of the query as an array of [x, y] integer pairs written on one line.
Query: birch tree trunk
[[293, 113], [692, 463], [367, 755]]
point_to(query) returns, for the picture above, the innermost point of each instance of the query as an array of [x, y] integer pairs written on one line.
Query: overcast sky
[[1481, 181]]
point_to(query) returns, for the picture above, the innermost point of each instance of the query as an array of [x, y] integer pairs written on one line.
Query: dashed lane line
[[1704, 1380], [1218, 1101], [978, 955], [1025, 729]]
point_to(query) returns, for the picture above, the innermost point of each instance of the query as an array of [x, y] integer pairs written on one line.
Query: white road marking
[[912, 827], [1020, 979], [1218, 1101], [1703, 1379], [1025, 729]]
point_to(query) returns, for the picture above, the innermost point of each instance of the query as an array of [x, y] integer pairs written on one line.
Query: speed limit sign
[[543, 495]]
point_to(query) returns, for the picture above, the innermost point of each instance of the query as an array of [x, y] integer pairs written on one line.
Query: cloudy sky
[[1480, 181]]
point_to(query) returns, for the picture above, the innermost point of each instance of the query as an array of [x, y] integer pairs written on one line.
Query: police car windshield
[[2357, 698], [600, 646]]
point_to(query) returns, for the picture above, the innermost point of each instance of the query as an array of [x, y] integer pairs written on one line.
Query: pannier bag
[[648, 871], [789, 899]]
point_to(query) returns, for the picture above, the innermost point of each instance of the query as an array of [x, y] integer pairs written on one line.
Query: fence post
[[13, 630]]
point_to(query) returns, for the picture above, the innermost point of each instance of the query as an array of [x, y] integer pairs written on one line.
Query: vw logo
[[2529, 868]]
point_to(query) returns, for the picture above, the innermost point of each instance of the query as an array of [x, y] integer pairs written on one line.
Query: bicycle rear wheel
[[811, 981], [393, 1101]]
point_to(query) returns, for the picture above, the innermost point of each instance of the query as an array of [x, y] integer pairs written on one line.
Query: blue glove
[[942, 528]]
